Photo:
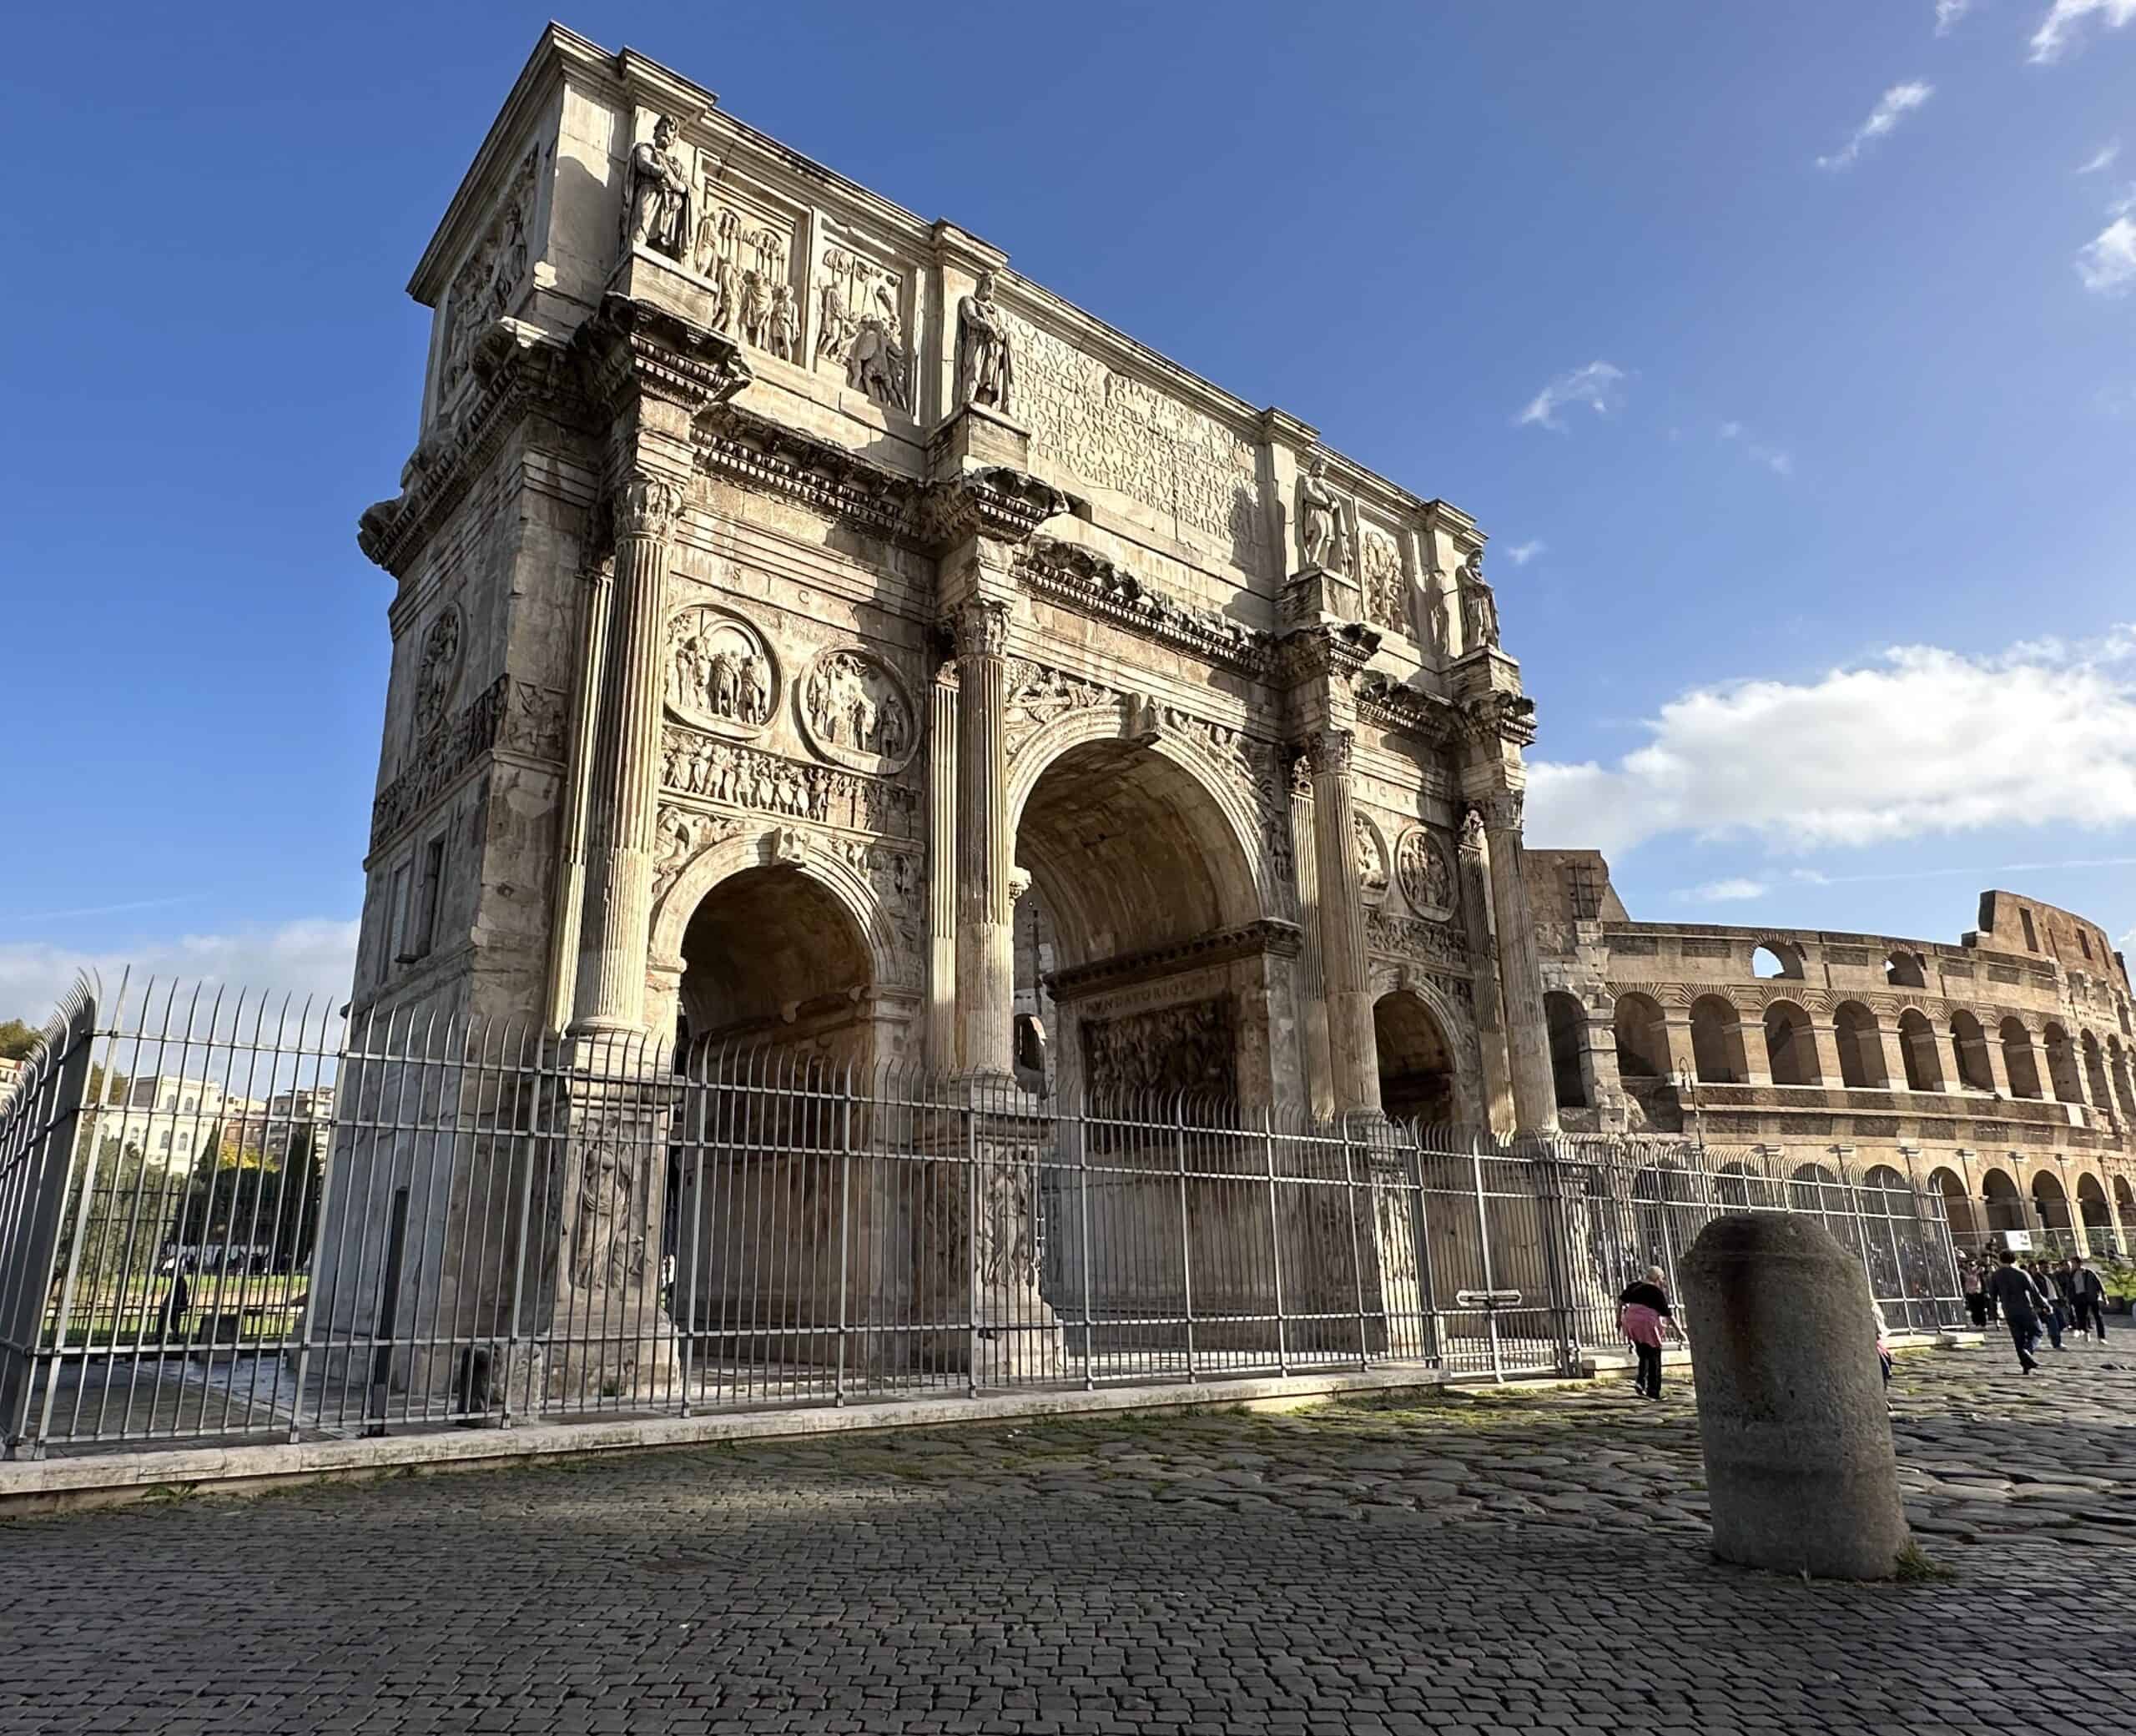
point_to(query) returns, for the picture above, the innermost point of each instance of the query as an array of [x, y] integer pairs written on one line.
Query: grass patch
[[1916, 1567]]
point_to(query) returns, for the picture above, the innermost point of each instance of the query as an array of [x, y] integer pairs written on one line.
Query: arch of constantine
[[791, 600]]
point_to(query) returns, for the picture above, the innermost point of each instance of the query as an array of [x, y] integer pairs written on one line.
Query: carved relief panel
[[437, 670], [854, 711], [1386, 592], [747, 250], [864, 315], [1370, 850], [486, 285], [721, 674], [1423, 869], [1162, 1052]]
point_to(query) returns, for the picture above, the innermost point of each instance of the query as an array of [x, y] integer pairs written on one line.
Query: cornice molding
[[992, 501], [757, 453], [1407, 710], [1087, 583], [1268, 935]]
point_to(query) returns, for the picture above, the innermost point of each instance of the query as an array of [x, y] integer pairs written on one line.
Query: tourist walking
[[1644, 1314], [2088, 1297], [1976, 1296], [2054, 1312], [2010, 1287]]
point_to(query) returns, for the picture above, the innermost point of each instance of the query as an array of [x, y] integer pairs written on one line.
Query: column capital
[[1499, 810], [978, 626], [1328, 748], [646, 503]]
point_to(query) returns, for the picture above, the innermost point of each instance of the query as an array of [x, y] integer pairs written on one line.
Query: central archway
[[771, 955]]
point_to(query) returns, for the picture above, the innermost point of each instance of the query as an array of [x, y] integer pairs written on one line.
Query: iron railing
[[218, 1221]]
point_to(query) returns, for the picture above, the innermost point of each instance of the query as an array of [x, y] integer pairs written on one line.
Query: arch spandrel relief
[[1423, 869], [722, 676], [1370, 847], [854, 711]]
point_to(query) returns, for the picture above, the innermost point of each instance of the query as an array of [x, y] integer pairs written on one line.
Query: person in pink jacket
[[1642, 1313]]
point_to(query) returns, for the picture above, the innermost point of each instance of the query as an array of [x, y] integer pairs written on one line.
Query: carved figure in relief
[[657, 195], [1424, 874], [718, 669], [782, 324], [877, 362], [1323, 538], [852, 704], [439, 669], [835, 337], [986, 367], [1385, 604], [1472, 827], [756, 305], [1371, 863], [1480, 606]]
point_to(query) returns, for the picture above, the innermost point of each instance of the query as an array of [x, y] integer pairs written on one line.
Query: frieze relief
[[1386, 593], [1123, 434], [1037, 695], [514, 717], [487, 284], [861, 337], [1369, 849], [437, 673], [855, 710], [755, 781], [748, 259], [1189, 1049], [721, 674]]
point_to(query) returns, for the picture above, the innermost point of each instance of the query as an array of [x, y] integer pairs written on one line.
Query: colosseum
[[1995, 1072]]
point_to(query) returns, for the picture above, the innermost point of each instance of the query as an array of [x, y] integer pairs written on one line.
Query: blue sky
[[1785, 350]]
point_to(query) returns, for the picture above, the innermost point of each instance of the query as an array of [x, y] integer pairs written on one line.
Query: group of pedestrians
[[2039, 1298]]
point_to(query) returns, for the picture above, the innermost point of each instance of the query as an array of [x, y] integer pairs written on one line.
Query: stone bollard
[[1799, 1469]]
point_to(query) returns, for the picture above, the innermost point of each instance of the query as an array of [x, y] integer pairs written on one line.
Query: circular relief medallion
[[439, 671], [1424, 872], [856, 712], [720, 673], [1371, 860]]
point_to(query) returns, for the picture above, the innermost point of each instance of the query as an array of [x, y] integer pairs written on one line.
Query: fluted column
[[942, 796], [1353, 1055], [1312, 983], [986, 993], [611, 988], [1521, 970]]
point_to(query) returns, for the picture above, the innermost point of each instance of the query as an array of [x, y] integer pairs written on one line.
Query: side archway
[[1421, 1078]]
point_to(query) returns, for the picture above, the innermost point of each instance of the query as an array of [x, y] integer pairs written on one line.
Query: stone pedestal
[[1799, 1466]]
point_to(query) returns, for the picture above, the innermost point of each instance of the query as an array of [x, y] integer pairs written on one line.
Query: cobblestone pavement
[[1500, 1562]]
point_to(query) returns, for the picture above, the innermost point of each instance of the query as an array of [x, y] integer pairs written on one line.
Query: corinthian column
[[1353, 1055], [1520, 973], [985, 955], [1312, 984], [611, 993], [942, 873]]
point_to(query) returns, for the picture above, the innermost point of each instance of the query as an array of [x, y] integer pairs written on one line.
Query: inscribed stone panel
[[1124, 435]]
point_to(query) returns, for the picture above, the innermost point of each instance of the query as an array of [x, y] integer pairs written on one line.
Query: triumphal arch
[[796, 607]]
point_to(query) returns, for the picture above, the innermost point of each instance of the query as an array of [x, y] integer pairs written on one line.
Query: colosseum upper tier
[[1996, 1071]]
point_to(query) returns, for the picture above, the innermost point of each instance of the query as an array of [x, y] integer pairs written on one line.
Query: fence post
[[57, 1165], [1185, 1234], [1557, 1228], [1420, 1228], [311, 1294], [844, 1235], [1357, 1248], [1083, 1192], [971, 1243]]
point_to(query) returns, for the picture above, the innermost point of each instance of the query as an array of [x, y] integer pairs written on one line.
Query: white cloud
[[2107, 263], [2059, 25], [1722, 892], [1896, 102], [1521, 553], [1779, 462], [1949, 13], [1595, 385], [314, 957], [1919, 742], [2103, 158]]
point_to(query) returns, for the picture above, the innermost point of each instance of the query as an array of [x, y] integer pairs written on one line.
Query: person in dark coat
[[2054, 1312], [2088, 1297], [1642, 1313], [177, 1301], [2019, 1297]]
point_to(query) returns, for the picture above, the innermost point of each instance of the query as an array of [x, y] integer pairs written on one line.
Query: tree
[[17, 1039]]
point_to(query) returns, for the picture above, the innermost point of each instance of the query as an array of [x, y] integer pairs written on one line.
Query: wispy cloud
[[2103, 158], [1919, 742], [2059, 26], [1949, 13], [2107, 263], [1779, 462], [1521, 553], [1733, 891], [1598, 385], [1901, 99], [26, 918], [315, 957]]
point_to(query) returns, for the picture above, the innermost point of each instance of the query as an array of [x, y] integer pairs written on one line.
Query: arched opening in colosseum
[[2125, 1087], [1791, 1045], [1957, 1203], [2051, 1203], [2062, 1065], [1889, 1216], [1416, 1061], [2095, 1074], [2096, 1214], [1130, 855], [2020, 1060], [1904, 970], [1924, 1066], [1969, 1044], [2124, 1207], [1567, 1025], [771, 958], [2006, 1205], [1737, 1186], [1717, 1042], [1772, 960], [1642, 1036], [1861, 1042]]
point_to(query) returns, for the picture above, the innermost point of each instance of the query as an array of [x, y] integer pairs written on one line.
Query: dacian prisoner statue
[[985, 364]]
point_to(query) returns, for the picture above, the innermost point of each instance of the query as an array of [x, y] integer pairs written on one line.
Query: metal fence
[[221, 1223]]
